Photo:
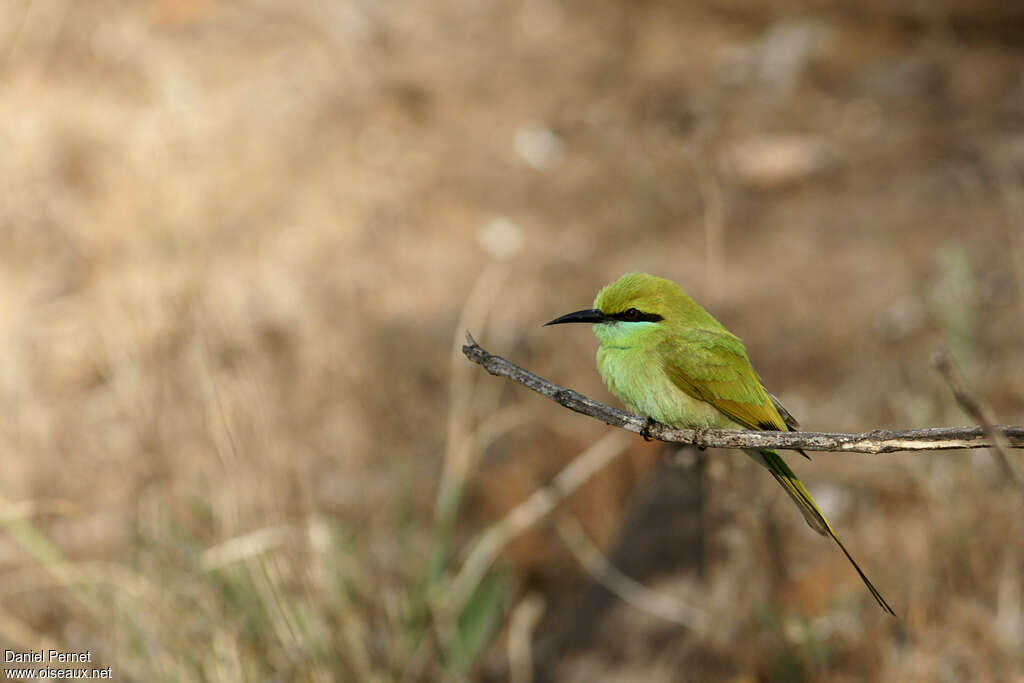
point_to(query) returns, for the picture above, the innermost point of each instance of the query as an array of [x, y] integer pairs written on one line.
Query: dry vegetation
[[242, 241]]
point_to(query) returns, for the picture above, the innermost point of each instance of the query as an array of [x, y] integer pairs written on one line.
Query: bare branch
[[877, 441], [978, 410]]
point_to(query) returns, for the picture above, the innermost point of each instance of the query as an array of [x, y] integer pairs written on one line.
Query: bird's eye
[[631, 314]]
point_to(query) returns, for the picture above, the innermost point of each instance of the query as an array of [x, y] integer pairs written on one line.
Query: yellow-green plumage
[[668, 359]]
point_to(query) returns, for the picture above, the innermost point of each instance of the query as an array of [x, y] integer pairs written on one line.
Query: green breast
[[638, 379]]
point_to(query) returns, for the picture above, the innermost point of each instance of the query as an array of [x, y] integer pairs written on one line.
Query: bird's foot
[[646, 430], [700, 437]]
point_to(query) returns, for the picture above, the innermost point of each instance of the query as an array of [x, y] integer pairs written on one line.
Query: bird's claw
[[646, 430]]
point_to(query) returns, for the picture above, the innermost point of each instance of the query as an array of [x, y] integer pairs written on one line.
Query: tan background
[[239, 240]]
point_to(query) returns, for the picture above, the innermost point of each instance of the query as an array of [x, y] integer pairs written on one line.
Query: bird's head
[[633, 307]]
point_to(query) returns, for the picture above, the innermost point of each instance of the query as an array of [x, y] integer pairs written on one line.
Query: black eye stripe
[[639, 317]]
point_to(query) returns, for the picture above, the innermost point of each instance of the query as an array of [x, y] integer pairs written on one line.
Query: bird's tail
[[814, 516]]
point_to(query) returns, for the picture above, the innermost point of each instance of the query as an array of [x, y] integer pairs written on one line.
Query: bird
[[668, 360]]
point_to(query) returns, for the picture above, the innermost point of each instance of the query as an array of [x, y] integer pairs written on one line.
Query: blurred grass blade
[[477, 622]]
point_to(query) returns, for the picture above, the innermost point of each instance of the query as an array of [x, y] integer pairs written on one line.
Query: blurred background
[[242, 243]]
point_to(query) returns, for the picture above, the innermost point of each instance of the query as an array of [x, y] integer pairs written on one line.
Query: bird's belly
[[639, 381]]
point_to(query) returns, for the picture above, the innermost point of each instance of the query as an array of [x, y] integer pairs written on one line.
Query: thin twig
[[978, 410], [520, 637], [625, 588], [459, 456], [878, 441], [532, 510]]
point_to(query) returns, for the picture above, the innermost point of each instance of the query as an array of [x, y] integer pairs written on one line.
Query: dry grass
[[239, 239]]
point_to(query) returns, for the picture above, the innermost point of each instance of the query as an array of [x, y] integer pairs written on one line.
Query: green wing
[[712, 366]]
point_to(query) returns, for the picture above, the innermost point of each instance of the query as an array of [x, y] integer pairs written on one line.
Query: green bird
[[668, 360]]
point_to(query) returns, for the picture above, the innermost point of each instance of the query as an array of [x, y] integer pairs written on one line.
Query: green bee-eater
[[668, 360]]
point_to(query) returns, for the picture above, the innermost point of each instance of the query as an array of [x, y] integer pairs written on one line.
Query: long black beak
[[587, 315]]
